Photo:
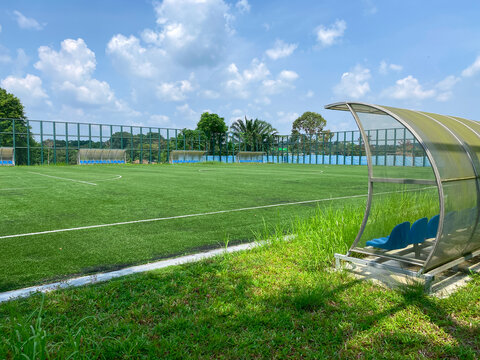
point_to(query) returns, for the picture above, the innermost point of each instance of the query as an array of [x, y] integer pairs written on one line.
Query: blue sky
[[163, 63]]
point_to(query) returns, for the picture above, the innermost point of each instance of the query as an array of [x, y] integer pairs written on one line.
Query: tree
[[10, 106], [309, 123], [252, 132], [12, 115], [211, 124]]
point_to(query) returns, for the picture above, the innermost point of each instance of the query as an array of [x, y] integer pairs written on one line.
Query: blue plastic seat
[[397, 239], [432, 226], [418, 231]]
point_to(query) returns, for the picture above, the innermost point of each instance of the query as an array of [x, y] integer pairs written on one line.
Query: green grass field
[[36, 199]]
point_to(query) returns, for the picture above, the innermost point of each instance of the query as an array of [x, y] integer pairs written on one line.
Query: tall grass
[[332, 230]]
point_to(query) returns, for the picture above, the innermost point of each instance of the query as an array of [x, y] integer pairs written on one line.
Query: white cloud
[[186, 112], [281, 83], [243, 6], [189, 34], [241, 84], [29, 89], [90, 92], [286, 117], [280, 50], [310, 94], [174, 91], [27, 23], [408, 88], [193, 32], [288, 75], [354, 83], [327, 36], [238, 83], [0, 27], [385, 68], [159, 120], [445, 87], [70, 70], [472, 69], [129, 53], [74, 62], [210, 94]]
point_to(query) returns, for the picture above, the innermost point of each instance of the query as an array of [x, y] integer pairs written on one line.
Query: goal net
[[250, 156], [186, 156], [7, 156], [101, 156]]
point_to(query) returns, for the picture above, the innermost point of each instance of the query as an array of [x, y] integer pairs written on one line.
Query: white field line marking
[[109, 179], [96, 278], [62, 178], [198, 214]]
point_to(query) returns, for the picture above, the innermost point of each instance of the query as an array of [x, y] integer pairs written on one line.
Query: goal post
[[101, 156], [186, 156], [250, 157], [7, 156]]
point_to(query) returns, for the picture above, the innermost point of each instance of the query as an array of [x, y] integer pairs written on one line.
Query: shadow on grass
[[249, 307]]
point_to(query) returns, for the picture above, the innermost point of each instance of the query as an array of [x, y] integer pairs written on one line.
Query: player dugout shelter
[[447, 193]]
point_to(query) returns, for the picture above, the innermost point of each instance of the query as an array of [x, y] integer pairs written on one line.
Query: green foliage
[[10, 106], [272, 302], [252, 132], [211, 124], [310, 123]]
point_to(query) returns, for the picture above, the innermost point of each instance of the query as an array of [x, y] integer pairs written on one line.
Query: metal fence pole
[[168, 145], [41, 142], [141, 146], [28, 143], [159, 159], [13, 141], [131, 145], [394, 147], [66, 144], [54, 144], [386, 144]]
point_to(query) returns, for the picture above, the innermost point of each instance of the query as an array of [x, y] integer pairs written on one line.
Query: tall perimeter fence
[[52, 142]]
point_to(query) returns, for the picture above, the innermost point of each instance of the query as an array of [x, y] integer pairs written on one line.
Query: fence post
[[54, 144], [28, 142], [394, 147], [131, 144], [41, 142], [168, 145], [66, 144], [159, 159], [13, 141], [386, 143]]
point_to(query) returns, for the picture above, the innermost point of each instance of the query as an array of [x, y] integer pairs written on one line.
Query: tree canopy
[[310, 123], [211, 124], [252, 132], [10, 106]]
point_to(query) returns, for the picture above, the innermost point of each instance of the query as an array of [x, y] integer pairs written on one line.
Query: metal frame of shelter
[[452, 145]]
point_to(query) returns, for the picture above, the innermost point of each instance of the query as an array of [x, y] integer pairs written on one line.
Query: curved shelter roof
[[452, 146]]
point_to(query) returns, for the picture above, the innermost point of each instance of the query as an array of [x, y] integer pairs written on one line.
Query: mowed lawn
[[44, 198]]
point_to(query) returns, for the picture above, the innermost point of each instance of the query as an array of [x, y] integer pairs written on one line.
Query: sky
[[163, 63]]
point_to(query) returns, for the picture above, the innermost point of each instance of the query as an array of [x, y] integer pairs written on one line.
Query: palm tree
[[252, 133]]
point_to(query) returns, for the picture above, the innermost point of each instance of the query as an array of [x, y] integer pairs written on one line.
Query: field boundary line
[[198, 214], [62, 178], [102, 277], [117, 177]]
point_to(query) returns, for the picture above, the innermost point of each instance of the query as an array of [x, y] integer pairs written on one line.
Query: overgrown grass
[[277, 301]]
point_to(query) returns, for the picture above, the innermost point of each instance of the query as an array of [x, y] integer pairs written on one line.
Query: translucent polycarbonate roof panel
[[450, 157], [452, 147]]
